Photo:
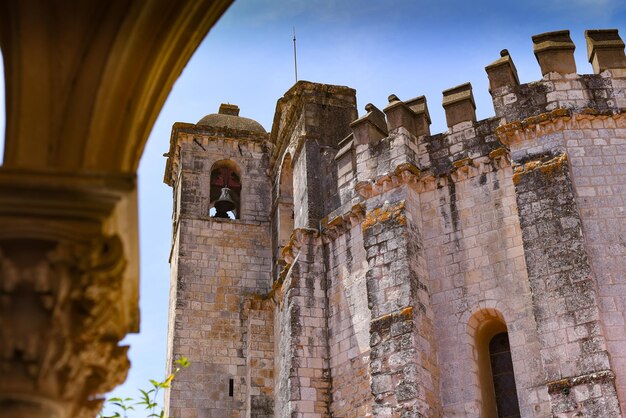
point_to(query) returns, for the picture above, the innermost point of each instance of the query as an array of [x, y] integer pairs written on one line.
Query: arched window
[[503, 376], [495, 367], [285, 203], [225, 194]]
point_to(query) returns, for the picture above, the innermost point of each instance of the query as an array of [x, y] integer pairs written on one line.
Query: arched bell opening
[[225, 194]]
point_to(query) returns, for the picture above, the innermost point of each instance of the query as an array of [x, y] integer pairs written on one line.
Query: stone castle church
[[348, 267]]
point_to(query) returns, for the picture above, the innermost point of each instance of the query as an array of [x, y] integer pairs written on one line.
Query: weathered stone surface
[[502, 72], [417, 249], [68, 291], [402, 367], [220, 315], [605, 50], [459, 105], [555, 52], [562, 282], [303, 382], [58, 324]]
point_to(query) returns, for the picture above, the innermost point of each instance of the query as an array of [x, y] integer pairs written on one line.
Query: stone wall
[[310, 121], [592, 188], [580, 125], [258, 315], [564, 292], [476, 261]]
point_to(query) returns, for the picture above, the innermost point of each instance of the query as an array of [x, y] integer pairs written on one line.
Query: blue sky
[[379, 47]]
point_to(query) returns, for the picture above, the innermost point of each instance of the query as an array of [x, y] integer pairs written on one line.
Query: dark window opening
[[231, 387], [503, 378]]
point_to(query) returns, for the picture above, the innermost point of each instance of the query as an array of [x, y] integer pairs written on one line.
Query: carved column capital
[[60, 321]]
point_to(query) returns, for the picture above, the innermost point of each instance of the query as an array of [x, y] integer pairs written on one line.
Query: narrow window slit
[[231, 387]]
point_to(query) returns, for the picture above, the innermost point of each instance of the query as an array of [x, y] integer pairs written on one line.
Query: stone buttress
[[310, 121]]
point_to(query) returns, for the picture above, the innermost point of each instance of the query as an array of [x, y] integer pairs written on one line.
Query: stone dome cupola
[[228, 117]]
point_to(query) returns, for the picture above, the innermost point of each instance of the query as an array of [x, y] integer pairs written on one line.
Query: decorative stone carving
[[59, 323]]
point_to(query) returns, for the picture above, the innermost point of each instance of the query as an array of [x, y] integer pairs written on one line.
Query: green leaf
[[145, 396], [183, 361], [166, 382], [128, 404]]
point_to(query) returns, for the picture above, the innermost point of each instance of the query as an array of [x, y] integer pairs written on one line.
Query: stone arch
[[225, 174], [76, 127]]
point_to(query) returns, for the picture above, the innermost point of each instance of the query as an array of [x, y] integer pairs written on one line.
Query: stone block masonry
[[404, 379], [258, 314], [212, 324], [219, 316], [475, 257], [573, 347], [375, 269], [598, 164], [348, 319], [303, 381]]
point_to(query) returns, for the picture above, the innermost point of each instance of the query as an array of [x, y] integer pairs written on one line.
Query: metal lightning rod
[[295, 59]]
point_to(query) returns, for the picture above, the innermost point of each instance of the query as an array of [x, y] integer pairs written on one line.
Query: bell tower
[[220, 267]]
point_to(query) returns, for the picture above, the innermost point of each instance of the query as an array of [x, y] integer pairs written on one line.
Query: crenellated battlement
[[561, 86], [400, 133]]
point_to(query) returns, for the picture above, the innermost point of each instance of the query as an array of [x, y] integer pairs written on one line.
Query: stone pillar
[[576, 363], [502, 72], [459, 105], [605, 50], [84, 85], [402, 358], [303, 380], [258, 315], [555, 52], [67, 294]]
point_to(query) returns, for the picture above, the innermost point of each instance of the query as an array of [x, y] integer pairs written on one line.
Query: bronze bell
[[225, 203]]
